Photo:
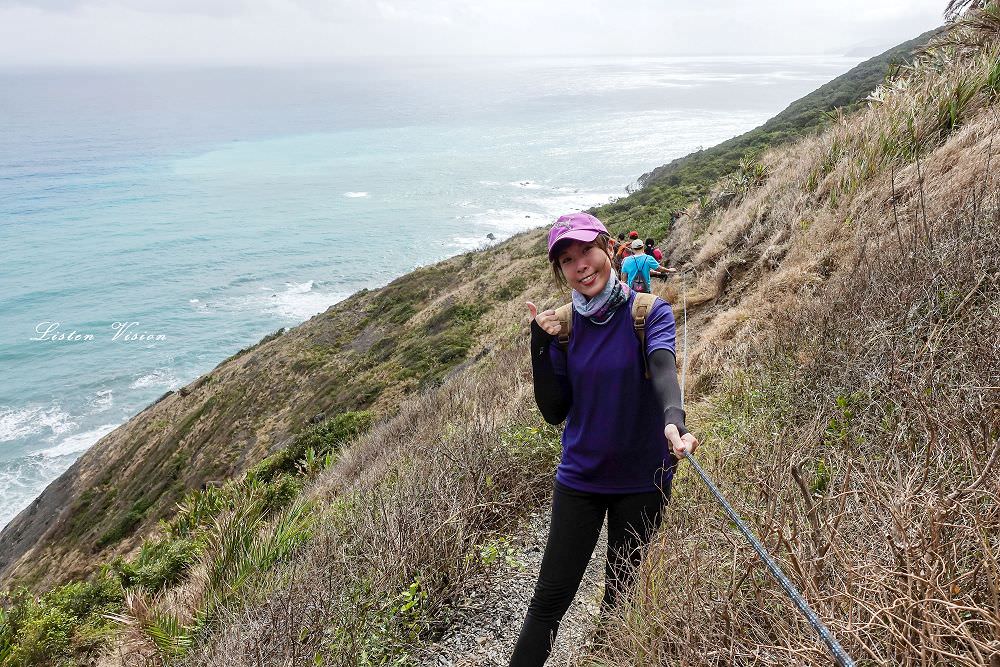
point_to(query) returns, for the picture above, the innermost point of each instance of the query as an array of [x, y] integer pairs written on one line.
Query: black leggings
[[577, 518]]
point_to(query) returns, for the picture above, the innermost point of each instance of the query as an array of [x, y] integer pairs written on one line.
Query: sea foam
[[18, 423], [78, 442], [160, 377]]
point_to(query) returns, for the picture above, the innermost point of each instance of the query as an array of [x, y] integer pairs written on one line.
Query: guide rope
[[841, 656]]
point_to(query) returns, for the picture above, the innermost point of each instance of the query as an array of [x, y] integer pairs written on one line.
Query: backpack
[[639, 283], [641, 306]]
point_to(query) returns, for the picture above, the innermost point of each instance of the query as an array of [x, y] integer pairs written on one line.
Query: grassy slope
[[360, 354], [845, 313], [436, 328], [210, 546]]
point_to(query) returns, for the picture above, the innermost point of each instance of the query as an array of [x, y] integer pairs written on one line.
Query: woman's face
[[586, 267]]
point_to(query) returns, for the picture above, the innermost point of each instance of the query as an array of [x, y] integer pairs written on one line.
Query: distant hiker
[[637, 269], [624, 424], [613, 244], [652, 250], [614, 249], [624, 251]]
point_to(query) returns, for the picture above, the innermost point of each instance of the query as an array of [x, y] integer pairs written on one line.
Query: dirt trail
[[486, 632]]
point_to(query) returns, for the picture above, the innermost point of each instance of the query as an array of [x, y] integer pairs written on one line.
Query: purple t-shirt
[[613, 441]]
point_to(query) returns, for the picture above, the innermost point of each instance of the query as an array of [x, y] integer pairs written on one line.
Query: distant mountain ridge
[[671, 187]]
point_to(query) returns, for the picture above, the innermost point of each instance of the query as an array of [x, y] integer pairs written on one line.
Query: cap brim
[[585, 235]]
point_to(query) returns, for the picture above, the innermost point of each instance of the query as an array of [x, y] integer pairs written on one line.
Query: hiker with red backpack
[[605, 365], [653, 251]]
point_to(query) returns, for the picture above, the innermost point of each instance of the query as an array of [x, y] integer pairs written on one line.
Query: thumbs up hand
[[546, 319]]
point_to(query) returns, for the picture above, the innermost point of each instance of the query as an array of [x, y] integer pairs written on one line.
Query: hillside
[[366, 353], [842, 311]]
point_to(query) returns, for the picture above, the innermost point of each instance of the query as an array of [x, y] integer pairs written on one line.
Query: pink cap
[[575, 226]]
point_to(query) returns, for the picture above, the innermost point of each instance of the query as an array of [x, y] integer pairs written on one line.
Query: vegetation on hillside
[[217, 553], [366, 353], [847, 367], [224, 537], [845, 304], [668, 190], [441, 489]]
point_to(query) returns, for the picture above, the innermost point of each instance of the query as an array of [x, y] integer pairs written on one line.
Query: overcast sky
[[129, 32]]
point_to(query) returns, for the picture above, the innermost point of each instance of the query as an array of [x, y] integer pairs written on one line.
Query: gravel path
[[487, 630]]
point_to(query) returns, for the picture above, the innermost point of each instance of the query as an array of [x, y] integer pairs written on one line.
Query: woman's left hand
[[680, 444]]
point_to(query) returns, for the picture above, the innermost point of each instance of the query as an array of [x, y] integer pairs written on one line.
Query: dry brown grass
[[853, 413], [415, 512], [846, 368]]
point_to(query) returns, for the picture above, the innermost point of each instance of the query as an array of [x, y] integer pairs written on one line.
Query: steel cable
[[841, 656]]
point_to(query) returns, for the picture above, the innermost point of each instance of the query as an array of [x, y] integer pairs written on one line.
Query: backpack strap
[[641, 306], [565, 316]]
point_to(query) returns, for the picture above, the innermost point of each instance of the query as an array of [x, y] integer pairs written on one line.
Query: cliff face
[[364, 353]]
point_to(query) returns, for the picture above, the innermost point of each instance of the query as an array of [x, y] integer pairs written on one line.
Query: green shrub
[[240, 548], [280, 492], [381, 630], [44, 638], [158, 564], [83, 598], [323, 438], [126, 525], [428, 358], [511, 288], [538, 447], [456, 314], [63, 625], [195, 509]]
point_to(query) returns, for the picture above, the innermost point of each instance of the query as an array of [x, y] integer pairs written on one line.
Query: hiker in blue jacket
[[637, 269], [624, 428]]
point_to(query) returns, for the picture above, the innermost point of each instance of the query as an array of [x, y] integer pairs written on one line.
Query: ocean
[[153, 222]]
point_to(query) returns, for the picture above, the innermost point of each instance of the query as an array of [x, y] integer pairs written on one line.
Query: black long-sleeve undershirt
[[554, 395], [663, 374]]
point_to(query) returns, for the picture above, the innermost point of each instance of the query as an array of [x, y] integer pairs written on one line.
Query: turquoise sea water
[[198, 210]]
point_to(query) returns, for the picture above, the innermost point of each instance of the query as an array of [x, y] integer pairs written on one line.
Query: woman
[[620, 427]]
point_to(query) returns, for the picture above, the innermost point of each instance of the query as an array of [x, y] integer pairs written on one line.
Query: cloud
[[292, 31], [218, 8]]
